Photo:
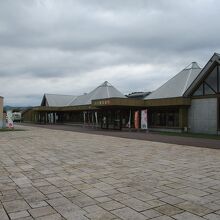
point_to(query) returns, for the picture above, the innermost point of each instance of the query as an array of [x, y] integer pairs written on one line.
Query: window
[[164, 118], [211, 85], [218, 71], [219, 114], [208, 90], [211, 80], [199, 91]]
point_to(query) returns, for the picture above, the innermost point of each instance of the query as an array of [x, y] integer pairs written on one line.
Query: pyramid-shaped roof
[[176, 86], [55, 100], [105, 90]]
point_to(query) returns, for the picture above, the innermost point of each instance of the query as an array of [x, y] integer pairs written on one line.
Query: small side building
[[1, 111], [204, 111], [194, 100]]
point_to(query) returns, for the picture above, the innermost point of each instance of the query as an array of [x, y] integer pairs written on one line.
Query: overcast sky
[[72, 46]]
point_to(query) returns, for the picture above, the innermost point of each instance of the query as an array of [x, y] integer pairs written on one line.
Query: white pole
[[129, 121]]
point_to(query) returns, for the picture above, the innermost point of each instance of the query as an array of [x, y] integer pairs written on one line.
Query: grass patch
[[193, 135], [9, 129]]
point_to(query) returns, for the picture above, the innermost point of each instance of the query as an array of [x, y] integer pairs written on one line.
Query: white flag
[[144, 119]]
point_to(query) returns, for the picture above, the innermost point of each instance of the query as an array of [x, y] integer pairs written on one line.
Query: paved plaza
[[52, 174]]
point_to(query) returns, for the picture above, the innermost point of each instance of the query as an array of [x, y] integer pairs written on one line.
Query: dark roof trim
[[176, 101], [65, 108], [43, 100]]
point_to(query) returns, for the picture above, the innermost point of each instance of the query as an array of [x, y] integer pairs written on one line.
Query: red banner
[[136, 119]]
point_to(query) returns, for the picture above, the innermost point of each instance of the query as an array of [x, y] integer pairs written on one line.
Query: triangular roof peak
[[193, 65], [103, 91], [105, 84]]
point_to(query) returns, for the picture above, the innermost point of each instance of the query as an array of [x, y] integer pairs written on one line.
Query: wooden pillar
[[54, 118], [46, 117], [35, 117], [120, 119], [41, 118], [62, 117], [183, 117]]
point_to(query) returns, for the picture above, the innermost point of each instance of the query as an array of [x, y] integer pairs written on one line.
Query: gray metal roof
[[176, 86], [54, 100], [105, 90]]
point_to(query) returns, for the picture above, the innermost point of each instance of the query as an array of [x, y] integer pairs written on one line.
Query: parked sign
[[10, 123], [144, 119]]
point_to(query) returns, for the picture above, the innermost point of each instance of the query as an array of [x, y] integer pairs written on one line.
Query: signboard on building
[[144, 124], [10, 123]]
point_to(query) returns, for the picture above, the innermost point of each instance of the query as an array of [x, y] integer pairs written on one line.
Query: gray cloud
[[71, 46]]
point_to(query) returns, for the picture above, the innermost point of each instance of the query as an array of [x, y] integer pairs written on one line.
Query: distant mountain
[[15, 108]]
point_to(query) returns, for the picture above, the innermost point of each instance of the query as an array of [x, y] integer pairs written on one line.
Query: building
[[200, 88], [174, 114], [1, 111], [204, 111], [77, 109], [187, 102]]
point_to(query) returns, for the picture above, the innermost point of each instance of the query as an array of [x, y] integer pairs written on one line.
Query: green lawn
[[193, 135], [9, 129]]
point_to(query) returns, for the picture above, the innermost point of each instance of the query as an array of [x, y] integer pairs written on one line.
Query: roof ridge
[[57, 94], [187, 80]]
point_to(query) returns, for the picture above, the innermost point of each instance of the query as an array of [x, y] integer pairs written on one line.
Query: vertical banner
[[92, 118], [129, 120], [84, 118], [144, 119], [96, 119], [136, 120], [10, 123]]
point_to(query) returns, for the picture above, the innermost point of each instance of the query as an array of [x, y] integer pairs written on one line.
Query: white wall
[[202, 116]]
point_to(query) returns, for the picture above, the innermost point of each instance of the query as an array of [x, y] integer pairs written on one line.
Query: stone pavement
[[52, 175]]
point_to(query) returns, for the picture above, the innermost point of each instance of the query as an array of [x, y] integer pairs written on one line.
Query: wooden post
[[54, 118], [183, 118]]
